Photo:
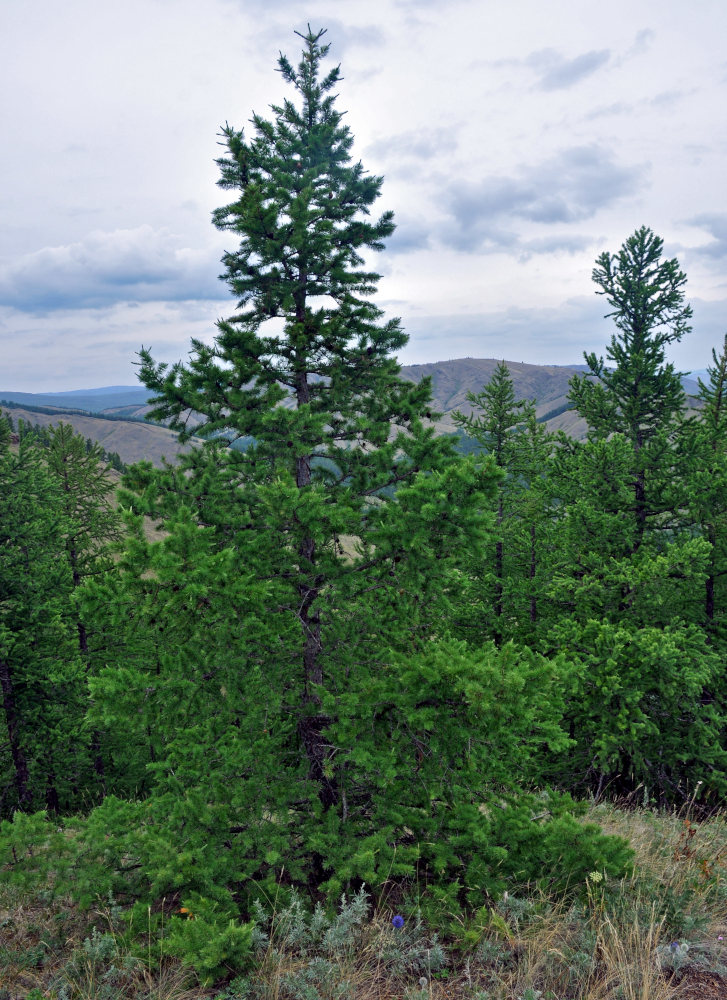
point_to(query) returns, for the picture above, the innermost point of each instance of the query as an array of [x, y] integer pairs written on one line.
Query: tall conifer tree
[[508, 431], [630, 564], [303, 378], [92, 524], [288, 647]]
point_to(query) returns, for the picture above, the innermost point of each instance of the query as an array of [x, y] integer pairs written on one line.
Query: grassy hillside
[[131, 440], [546, 384], [452, 380]]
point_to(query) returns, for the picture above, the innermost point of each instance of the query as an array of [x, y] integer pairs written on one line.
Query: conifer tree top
[[640, 394], [306, 332], [645, 292], [303, 205]]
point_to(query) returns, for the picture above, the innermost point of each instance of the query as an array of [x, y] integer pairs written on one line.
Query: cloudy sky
[[518, 139]]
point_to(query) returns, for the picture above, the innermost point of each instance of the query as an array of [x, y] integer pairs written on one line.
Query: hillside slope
[[133, 441], [547, 385]]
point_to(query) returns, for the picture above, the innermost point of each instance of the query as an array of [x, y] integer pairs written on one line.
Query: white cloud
[[555, 72], [571, 186], [716, 225], [140, 264]]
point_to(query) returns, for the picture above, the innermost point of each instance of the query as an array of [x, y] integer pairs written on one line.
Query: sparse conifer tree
[[639, 394], [508, 431]]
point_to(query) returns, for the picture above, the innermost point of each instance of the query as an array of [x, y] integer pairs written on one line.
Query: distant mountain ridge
[[547, 385], [103, 391], [93, 400]]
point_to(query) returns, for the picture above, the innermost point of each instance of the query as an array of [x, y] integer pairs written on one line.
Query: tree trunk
[[639, 491], [533, 601], [98, 762], [312, 722], [22, 777], [498, 579], [640, 494], [52, 802], [499, 564]]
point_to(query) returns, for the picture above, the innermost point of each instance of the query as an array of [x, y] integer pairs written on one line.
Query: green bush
[[209, 939]]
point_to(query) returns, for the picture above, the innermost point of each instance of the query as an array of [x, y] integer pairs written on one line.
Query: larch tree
[[311, 433], [639, 394], [303, 372], [507, 430], [492, 428], [92, 524], [630, 561], [288, 655], [40, 677]]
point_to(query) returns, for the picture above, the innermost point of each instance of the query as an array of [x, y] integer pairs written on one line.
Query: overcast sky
[[518, 140]]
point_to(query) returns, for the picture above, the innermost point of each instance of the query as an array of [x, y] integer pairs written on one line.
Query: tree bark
[[312, 721], [499, 570], [20, 763], [639, 490], [52, 802], [533, 601], [98, 761]]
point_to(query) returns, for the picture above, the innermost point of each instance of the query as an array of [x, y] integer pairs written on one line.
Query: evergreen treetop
[[495, 414], [305, 331], [641, 394]]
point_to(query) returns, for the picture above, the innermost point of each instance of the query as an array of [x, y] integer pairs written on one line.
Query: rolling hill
[[132, 440], [114, 414]]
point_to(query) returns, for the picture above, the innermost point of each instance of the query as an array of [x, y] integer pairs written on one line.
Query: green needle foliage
[[641, 395], [297, 713], [279, 647], [44, 753], [705, 447], [501, 598], [303, 373], [631, 565]]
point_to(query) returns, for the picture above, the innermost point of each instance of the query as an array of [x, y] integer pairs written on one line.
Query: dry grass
[[51, 949]]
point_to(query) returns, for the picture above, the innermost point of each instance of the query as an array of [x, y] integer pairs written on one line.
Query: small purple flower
[[674, 945], [398, 921]]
